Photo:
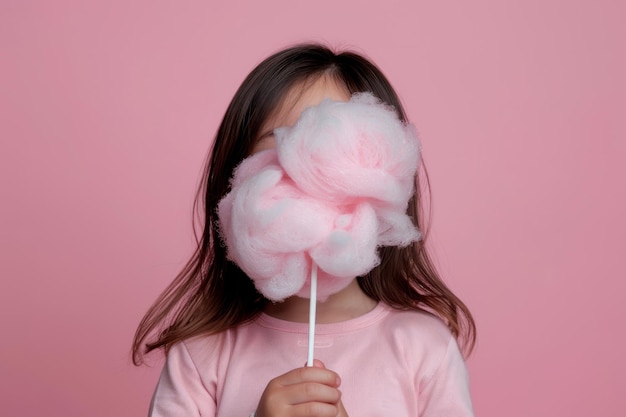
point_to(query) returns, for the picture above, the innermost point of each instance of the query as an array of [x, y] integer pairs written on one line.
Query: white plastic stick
[[312, 307]]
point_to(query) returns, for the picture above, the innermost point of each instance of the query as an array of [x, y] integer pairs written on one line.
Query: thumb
[[317, 364]]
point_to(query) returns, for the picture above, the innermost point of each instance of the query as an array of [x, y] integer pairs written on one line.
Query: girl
[[386, 344]]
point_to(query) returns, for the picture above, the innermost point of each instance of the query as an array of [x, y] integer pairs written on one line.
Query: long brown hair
[[211, 294]]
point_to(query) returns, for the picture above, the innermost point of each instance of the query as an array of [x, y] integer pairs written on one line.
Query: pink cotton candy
[[345, 152], [335, 189]]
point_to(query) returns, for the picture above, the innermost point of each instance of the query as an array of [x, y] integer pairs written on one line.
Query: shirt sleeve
[[180, 391], [446, 393]]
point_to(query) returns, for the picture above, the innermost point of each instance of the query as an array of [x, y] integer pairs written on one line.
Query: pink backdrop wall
[[107, 110]]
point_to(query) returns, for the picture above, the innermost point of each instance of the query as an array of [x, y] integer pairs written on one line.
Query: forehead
[[301, 96]]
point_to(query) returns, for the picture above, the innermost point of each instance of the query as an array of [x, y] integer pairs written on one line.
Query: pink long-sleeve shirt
[[392, 363]]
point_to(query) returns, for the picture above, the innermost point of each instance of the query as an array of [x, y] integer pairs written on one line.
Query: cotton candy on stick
[[335, 189], [273, 232]]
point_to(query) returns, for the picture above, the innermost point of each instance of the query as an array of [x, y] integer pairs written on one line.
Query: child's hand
[[303, 392], [341, 410]]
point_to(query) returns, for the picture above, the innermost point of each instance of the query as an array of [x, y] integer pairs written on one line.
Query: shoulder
[[216, 349], [418, 335], [205, 348], [198, 362], [417, 323], [428, 352], [192, 376]]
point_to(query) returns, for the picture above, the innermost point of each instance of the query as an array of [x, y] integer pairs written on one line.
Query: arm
[[180, 391], [446, 392]]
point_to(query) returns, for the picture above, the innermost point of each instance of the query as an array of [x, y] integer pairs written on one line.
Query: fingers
[[302, 392], [314, 409], [320, 375], [318, 364], [311, 392]]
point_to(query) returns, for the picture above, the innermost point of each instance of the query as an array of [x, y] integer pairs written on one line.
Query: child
[[386, 342]]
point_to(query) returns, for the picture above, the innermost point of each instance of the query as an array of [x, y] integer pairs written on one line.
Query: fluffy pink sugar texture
[[268, 225], [395, 228], [350, 249], [349, 151], [274, 232], [335, 189]]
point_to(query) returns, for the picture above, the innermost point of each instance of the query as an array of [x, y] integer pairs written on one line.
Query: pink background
[[108, 108]]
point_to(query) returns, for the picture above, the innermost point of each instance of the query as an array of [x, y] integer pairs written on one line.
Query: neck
[[347, 304]]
